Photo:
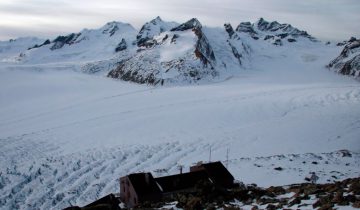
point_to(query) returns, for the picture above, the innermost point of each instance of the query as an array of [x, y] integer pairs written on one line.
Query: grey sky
[[324, 19]]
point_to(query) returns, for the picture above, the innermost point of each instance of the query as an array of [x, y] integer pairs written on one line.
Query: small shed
[[139, 188]]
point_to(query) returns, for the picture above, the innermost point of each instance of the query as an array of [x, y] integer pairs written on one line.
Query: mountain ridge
[[164, 52]]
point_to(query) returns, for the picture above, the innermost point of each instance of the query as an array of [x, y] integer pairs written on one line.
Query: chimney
[[180, 167]]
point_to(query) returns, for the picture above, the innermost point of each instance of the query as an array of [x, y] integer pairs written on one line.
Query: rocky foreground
[[336, 195], [339, 195]]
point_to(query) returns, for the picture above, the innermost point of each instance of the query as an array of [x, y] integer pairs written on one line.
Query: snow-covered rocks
[[86, 46], [182, 54], [150, 29], [247, 27], [203, 49], [170, 53], [273, 32], [348, 62], [121, 46], [14, 47]]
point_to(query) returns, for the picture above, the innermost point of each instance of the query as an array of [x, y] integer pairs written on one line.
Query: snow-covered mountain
[[274, 32], [182, 53], [348, 62], [12, 48], [171, 53], [149, 30], [66, 137], [193, 53], [84, 47]]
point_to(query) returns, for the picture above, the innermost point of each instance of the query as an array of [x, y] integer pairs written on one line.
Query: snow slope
[[66, 137], [90, 50], [11, 49]]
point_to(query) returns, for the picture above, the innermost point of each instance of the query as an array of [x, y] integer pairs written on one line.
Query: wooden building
[[143, 187], [139, 188], [217, 172]]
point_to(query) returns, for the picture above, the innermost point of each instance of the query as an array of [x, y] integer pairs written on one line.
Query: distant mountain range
[[171, 53]]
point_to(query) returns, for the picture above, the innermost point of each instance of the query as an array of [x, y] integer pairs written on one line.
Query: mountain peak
[[157, 19], [348, 62], [273, 31], [151, 29], [190, 24]]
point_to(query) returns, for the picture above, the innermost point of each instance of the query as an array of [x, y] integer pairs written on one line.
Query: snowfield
[[66, 137]]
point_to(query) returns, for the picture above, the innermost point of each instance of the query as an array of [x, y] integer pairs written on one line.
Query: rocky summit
[[348, 62]]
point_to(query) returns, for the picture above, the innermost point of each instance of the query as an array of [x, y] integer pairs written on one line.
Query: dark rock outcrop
[[247, 27], [272, 31], [60, 41], [229, 29], [174, 37], [291, 40], [348, 62], [233, 41], [128, 72], [147, 65], [149, 30], [38, 46], [282, 29], [121, 46], [191, 24], [111, 28], [236, 53], [203, 49]]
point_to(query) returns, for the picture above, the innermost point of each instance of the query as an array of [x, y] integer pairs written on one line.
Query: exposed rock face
[[121, 46], [191, 24], [348, 62], [174, 37], [246, 27], [60, 41], [229, 29], [281, 29], [151, 29], [89, 46], [164, 52], [129, 70], [203, 50], [111, 28], [149, 66], [37, 46], [235, 43], [346, 42], [236, 53], [273, 32]]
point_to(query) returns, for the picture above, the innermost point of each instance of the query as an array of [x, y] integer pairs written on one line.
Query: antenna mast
[[210, 154], [227, 157]]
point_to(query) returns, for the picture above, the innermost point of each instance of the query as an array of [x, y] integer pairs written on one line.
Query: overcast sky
[[324, 19]]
